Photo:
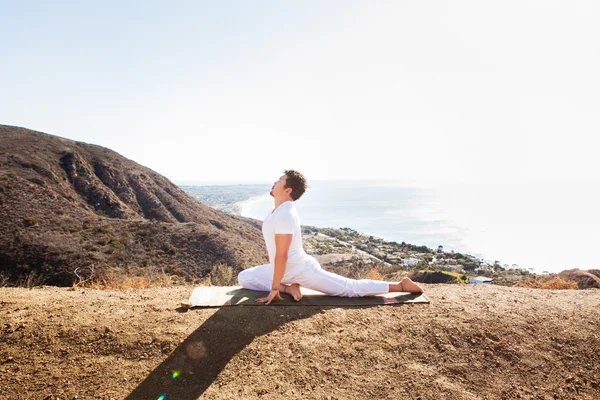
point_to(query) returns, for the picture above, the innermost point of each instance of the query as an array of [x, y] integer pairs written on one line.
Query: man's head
[[291, 185]]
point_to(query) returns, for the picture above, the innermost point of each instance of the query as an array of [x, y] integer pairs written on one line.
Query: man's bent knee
[[243, 278], [247, 282]]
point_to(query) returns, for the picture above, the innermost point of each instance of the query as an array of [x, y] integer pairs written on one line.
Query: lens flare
[[175, 374], [196, 350], [162, 396]]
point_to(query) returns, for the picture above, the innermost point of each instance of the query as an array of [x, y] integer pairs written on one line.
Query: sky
[[237, 91]]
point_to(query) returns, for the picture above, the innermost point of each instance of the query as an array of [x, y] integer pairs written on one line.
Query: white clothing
[[302, 268], [284, 219], [310, 275]]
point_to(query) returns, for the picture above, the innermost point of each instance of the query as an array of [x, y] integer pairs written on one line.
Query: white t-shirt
[[284, 219]]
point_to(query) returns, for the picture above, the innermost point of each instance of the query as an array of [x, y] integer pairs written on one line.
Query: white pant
[[310, 275]]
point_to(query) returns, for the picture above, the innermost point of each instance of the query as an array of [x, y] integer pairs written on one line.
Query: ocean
[[539, 226]]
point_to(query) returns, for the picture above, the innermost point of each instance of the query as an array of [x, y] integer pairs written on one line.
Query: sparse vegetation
[[427, 276], [222, 275], [31, 221], [554, 282], [96, 256], [374, 274], [122, 279], [169, 248]]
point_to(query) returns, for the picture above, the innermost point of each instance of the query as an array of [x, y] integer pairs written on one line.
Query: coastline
[[241, 207]]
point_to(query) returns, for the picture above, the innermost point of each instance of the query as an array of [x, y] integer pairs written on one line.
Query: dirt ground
[[470, 342]]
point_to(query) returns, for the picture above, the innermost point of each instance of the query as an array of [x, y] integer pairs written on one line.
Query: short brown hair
[[296, 181]]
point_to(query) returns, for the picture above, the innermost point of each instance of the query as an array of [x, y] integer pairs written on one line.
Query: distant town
[[225, 198]]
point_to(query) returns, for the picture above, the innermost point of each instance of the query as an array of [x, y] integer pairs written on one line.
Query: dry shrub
[[130, 279], [31, 221], [554, 283], [205, 281], [374, 274], [559, 283], [584, 279], [33, 279], [222, 275]]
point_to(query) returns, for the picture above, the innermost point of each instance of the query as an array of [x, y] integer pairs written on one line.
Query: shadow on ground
[[204, 354]]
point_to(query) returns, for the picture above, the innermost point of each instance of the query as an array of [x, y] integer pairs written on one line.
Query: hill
[[470, 342], [585, 279], [74, 211]]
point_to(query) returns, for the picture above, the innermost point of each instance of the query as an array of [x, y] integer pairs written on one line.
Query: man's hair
[[296, 181]]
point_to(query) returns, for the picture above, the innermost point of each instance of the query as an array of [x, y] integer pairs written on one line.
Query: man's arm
[[282, 247]]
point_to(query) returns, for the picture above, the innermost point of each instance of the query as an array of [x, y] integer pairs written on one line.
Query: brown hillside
[[470, 342], [595, 272], [67, 205], [585, 279]]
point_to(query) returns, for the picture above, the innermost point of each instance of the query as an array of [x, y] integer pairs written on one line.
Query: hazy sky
[[239, 90]]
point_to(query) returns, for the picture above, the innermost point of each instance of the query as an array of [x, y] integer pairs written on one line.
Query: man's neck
[[279, 202]]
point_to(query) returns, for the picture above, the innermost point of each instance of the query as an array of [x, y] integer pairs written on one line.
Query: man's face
[[278, 188]]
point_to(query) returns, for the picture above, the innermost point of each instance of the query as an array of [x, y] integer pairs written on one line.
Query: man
[[291, 267]]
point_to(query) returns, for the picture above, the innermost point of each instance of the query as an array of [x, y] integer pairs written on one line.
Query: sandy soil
[[471, 342]]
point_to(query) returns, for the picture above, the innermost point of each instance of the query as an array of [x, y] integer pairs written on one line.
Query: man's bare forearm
[[279, 271]]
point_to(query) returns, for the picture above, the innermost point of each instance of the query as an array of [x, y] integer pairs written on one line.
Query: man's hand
[[274, 294]]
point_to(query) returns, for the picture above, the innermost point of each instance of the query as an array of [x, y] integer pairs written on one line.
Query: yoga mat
[[221, 296]]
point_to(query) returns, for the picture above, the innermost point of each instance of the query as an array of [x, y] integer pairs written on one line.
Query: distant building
[[410, 261], [480, 279]]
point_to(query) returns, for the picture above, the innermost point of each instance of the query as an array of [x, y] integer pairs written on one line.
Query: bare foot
[[409, 286], [294, 291]]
